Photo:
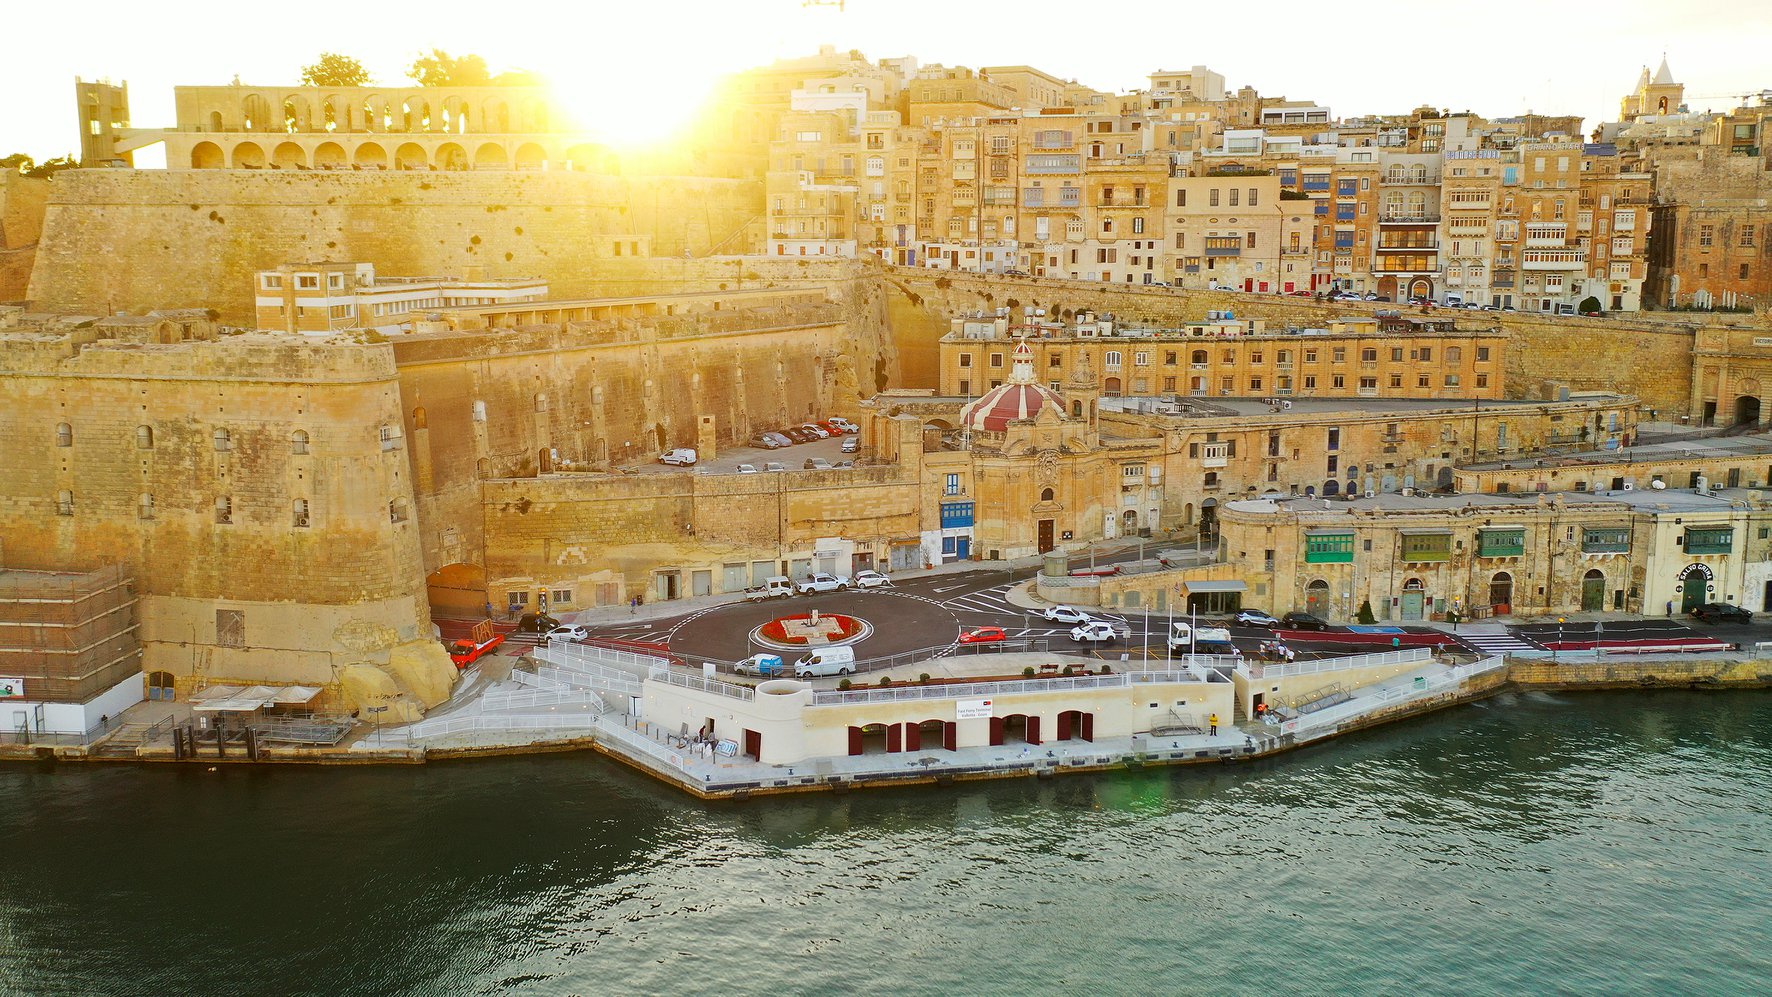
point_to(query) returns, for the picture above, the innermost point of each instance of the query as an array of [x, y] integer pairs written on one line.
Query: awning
[[1427, 532], [234, 699], [294, 695], [1215, 585]]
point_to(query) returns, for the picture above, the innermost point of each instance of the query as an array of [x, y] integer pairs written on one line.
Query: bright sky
[[647, 59]]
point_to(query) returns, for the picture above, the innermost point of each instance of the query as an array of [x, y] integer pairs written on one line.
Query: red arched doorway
[[1076, 724]]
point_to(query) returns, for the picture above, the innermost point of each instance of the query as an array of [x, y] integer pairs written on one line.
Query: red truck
[[477, 645]]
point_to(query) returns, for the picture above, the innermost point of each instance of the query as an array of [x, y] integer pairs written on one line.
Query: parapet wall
[[140, 239], [1645, 356]]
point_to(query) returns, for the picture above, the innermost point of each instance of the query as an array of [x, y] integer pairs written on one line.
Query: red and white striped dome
[[1020, 398]]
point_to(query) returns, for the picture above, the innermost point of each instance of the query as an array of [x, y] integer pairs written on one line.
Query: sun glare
[[634, 112]]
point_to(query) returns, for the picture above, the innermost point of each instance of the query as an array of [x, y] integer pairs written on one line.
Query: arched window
[[298, 442], [1046, 494], [541, 401], [419, 419], [144, 506], [479, 411], [64, 435], [299, 513], [224, 440], [1199, 357], [144, 437]]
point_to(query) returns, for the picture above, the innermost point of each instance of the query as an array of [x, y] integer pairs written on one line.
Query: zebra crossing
[[1494, 640], [992, 600]]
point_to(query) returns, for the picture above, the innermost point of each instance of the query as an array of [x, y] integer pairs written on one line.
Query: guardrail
[[681, 680], [445, 726], [1361, 705], [1320, 665], [605, 655], [900, 694]]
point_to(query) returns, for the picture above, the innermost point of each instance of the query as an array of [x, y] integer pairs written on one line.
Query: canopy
[[234, 699], [1215, 585]]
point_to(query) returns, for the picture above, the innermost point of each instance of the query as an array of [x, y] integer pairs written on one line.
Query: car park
[[1256, 618], [844, 424], [775, 465], [852, 445], [983, 635], [816, 464], [1721, 612], [568, 631], [871, 580], [682, 456], [747, 469], [1303, 621], [1066, 614], [766, 441], [780, 440], [536, 623], [795, 434], [818, 432], [823, 582]]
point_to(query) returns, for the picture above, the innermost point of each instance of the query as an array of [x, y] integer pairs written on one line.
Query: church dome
[[1020, 398]]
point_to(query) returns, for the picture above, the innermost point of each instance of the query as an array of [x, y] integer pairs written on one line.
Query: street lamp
[[1559, 644]]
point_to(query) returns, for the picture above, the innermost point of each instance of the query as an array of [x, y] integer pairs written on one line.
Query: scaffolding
[[68, 635]]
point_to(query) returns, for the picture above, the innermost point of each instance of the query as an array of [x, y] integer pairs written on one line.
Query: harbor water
[[1616, 843]]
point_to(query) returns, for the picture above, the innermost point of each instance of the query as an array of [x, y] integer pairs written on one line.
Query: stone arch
[[371, 113], [497, 118], [410, 156], [255, 113], [1501, 590], [582, 157], [1046, 495], [215, 121], [249, 156], [531, 157], [329, 113], [460, 587], [491, 156], [536, 117], [370, 154], [1316, 598], [451, 156], [295, 114], [289, 156], [207, 156], [329, 155]]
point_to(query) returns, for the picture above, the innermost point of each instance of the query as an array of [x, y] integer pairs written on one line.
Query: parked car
[[1256, 618], [823, 582], [817, 431], [826, 661], [1303, 621], [682, 456], [775, 465], [767, 441], [1721, 612], [1371, 295], [536, 623], [816, 464], [761, 664], [747, 469], [773, 587], [1015, 273], [983, 635], [871, 580], [568, 631], [1066, 614], [1384, 297], [1094, 633], [852, 445], [780, 440], [799, 435], [844, 424], [1300, 294]]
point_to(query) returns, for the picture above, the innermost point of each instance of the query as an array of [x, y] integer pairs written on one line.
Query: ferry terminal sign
[[972, 709], [12, 688]]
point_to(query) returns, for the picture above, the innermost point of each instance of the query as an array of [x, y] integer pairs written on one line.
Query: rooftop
[[1638, 499], [1756, 445], [1187, 406]]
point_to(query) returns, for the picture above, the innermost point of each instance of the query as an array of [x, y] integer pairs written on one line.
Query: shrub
[[844, 684], [1590, 305], [923, 678], [1069, 670], [1106, 670], [885, 680], [1028, 672], [1366, 618]]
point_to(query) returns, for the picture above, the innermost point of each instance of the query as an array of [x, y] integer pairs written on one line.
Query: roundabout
[[811, 629], [879, 624]]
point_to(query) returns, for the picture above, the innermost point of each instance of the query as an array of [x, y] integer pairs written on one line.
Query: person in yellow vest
[[1214, 725]]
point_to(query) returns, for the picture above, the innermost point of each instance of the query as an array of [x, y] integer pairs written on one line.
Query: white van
[[826, 661]]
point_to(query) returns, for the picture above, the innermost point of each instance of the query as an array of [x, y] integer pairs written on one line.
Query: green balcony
[[1605, 541], [1501, 543], [1709, 540], [1328, 548], [1428, 545]]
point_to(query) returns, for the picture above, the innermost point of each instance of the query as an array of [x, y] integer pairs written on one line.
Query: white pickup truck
[[822, 582], [773, 587]]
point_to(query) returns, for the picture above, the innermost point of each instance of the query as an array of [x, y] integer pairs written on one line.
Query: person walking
[[634, 606], [1214, 722]]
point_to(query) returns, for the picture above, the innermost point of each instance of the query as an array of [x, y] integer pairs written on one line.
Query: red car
[[983, 635]]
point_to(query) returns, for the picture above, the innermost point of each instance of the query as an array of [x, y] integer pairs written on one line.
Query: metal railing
[[1421, 689], [445, 726], [502, 700], [605, 655], [1320, 665], [899, 694], [681, 680]]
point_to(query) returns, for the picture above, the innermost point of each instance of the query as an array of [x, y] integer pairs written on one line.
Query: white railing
[[1362, 705], [501, 700], [445, 726], [663, 673], [574, 652], [1406, 656], [907, 693]]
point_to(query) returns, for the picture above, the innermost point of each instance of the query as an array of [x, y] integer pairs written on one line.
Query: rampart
[[1643, 356], [136, 239], [22, 203]]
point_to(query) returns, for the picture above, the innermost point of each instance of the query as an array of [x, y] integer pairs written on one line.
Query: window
[[1482, 354], [1328, 547], [965, 359], [64, 503], [1453, 355], [1502, 542], [1369, 355], [397, 510], [1747, 236], [517, 601], [224, 510], [1706, 233], [144, 506], [1141, 359], [308, 281], [953, 484], [144, 437], [298, 510], [272, 282], [1605, 540], [298, 442], [1452, 380], [1709, 540], [64, 435], [996, 360], [1113, 358], [390, 438], [224, 440], [1212, 197], [1427, 546]]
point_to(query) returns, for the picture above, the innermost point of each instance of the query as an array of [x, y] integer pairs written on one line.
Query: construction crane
[[1765, 97]]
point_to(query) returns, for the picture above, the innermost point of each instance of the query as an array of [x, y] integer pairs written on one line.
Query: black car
[[536, 623], [1721, 612], [796, 434], [1303, 621]]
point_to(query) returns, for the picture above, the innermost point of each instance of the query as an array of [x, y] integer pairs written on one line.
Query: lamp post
[[1559, 645]]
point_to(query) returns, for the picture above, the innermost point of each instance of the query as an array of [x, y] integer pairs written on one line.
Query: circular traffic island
[[801, 631]]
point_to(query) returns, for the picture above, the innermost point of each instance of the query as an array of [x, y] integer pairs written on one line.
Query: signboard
[[972, 709], [12, 688]]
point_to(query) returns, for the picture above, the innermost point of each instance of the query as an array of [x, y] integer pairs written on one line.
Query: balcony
[[1396, 266], [1408, 218], [1224, 246], [1566, 259], [1413, 246]]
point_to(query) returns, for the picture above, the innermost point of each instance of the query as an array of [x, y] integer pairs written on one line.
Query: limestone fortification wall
[[23, 201], [140, 239], [1647, 356]]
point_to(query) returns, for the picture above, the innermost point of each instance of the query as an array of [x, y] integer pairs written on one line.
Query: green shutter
[[1502, 543], [1605, 540], [1427, 546], [1709, 540], [1329, 548]]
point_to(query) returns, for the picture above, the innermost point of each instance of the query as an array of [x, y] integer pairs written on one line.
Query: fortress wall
[[1650, 358], [140, 239], [23, 201]]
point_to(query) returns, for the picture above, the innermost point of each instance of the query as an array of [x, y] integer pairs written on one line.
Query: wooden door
[[950, 735], [753, 744], [913, 737], [1033, 730], [1089, 727], [1045, 535], [895, 738], [996, 731], [855, 740], [1064, 726]]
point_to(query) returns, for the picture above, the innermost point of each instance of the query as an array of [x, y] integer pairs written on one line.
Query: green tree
[[1590, 305], [18, 162], [1366, 618], [440, 69], [334, 70]]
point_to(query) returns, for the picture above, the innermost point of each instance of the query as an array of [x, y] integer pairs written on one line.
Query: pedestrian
[[633, 605], [104, 721], [1214, 722]]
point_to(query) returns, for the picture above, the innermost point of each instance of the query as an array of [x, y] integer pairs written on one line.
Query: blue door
[[963, 547]]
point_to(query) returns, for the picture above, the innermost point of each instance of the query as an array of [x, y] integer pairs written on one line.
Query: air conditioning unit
[[1407, 492], [1630, 486], [1371, 494]]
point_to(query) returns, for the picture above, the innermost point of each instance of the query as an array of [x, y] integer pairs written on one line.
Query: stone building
[[1723, 461], [323, 298], [70, 650]]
